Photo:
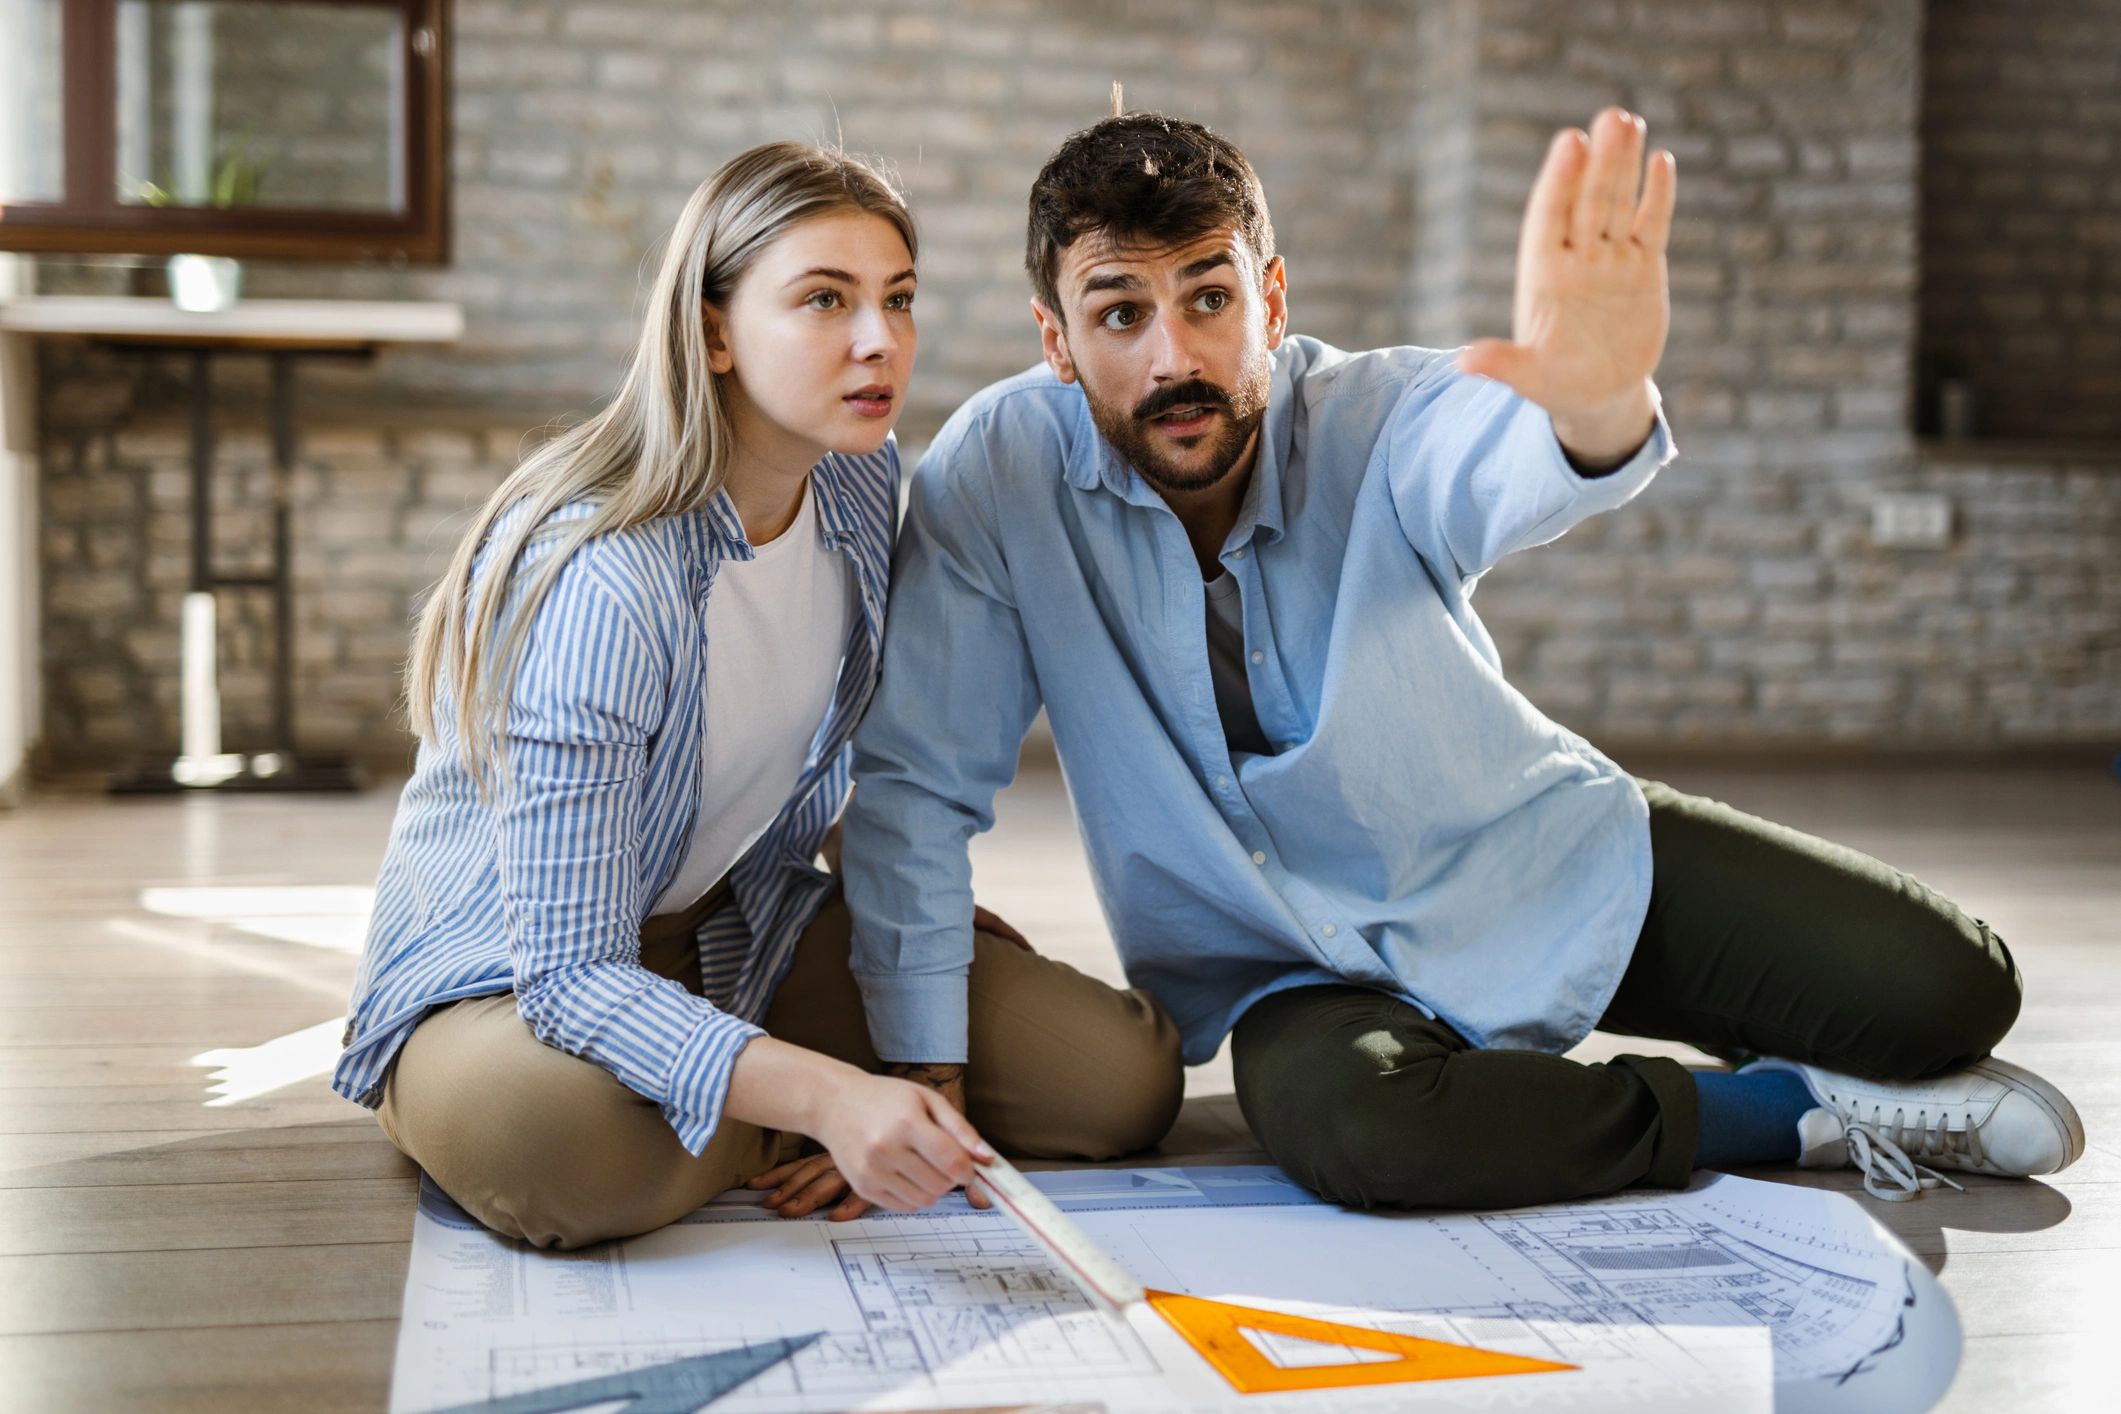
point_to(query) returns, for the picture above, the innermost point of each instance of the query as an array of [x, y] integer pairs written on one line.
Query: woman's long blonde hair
[[660, 447]]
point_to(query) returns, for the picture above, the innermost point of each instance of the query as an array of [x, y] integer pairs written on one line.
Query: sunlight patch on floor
[[333, 917], [245, 1072]]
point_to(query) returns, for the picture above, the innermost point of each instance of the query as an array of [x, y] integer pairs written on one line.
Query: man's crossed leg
[[1878, 998]]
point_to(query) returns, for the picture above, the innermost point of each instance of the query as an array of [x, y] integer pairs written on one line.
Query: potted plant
[[207, 284]]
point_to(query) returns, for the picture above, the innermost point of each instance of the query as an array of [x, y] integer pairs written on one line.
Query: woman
[[599, 911]]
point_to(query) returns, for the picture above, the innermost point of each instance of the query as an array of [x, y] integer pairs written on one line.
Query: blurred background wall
[[1878, 198]]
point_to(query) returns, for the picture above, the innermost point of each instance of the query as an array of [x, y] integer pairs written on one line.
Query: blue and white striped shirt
[[542, 888]]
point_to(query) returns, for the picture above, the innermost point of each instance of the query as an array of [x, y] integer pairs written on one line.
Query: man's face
[[1171, 346]]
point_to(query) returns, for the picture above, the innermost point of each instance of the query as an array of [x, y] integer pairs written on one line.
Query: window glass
[[232, 103]]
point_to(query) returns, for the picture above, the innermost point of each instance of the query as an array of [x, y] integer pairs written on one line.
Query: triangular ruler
[[1217, 1330], [676, 1387]]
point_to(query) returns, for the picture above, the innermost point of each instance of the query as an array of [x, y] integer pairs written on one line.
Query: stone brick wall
[[583, 125], [379, 507], [2021, 216], [1739, 602]]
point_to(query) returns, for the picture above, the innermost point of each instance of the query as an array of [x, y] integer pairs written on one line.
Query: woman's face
[[818, 339]]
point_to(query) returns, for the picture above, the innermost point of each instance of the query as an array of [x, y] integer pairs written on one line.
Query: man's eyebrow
[[1119, 281], [1198, 268]]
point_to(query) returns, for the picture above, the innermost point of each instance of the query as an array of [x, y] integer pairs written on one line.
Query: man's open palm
[[1591, 308]]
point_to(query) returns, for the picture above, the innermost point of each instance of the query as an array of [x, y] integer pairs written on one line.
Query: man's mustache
[[1194, 392]]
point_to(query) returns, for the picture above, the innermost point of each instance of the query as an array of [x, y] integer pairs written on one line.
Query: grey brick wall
[[378, 510], [2021, 216], [1741, 600], [1738, 602], [582, 126]]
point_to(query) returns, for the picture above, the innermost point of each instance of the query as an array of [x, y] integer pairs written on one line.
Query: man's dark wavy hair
[[1141, 179]]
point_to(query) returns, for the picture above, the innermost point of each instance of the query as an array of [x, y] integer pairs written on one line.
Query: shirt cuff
[[916, 1016], [1619, 483], [699, 1077]]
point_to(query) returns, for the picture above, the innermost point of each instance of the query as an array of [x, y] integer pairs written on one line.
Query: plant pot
[[204, 284]]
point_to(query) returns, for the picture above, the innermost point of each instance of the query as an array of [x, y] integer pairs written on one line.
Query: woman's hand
[[897, 1144]]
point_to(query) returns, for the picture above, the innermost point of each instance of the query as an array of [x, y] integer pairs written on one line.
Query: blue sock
[[1749, 1117]]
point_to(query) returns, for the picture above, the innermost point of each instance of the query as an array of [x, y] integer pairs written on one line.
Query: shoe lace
[[1879, 1151]]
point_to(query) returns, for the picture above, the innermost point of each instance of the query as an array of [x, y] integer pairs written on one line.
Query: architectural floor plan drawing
[[1751, 1295]]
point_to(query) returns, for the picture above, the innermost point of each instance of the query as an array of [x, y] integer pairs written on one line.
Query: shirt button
[[1259, 856], [1222, 782], [1237, 554], [1329, 930], [1258, 656]]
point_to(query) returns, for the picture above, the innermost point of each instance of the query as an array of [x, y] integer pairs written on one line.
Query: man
[[1236, 569]]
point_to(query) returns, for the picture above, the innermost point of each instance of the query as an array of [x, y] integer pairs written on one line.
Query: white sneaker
[[1992, 1117]]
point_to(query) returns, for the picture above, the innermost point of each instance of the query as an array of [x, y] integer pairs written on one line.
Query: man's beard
[[1240, 413]]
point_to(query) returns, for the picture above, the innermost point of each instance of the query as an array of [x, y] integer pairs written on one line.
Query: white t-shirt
[[777, 628]]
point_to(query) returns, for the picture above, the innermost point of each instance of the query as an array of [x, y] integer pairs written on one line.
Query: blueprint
[[1749, 1295]]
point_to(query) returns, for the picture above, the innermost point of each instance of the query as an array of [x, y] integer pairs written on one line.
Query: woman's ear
[[719, 359]]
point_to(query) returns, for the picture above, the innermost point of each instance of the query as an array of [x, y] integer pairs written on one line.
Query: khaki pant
[[545, 1146]]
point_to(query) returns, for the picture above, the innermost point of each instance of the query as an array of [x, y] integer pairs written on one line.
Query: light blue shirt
[[541, 889], [1420, 828]]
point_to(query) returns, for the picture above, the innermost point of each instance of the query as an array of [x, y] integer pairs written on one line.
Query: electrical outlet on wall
[[1911, 521]]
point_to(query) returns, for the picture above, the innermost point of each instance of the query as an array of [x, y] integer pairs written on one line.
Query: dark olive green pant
[[1759, 940]]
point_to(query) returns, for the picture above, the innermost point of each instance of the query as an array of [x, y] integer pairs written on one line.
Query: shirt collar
[[837, 515], [1097, 463], [722, 530]]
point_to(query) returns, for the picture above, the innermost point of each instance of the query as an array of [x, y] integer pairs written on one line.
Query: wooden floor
[[173, 1245]]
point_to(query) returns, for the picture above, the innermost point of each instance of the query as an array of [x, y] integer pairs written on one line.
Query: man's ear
[[719, 359], [1274, 285], [1053, 340]]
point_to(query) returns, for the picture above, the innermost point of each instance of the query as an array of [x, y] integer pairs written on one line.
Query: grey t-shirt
[[1226, 665]]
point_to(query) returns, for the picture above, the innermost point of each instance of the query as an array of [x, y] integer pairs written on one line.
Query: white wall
[[19, 679]]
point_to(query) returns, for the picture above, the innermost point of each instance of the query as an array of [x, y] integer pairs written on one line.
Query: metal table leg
[[201, 764]]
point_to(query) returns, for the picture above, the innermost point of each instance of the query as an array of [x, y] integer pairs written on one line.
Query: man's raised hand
[[1591, 308]]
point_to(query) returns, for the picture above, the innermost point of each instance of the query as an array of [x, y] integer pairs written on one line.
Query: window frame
[[89, 217]]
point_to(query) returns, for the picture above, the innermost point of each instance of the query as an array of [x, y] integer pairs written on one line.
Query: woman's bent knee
[[538, 1144], [1140, 1110], [1123, 1104], [1064, 1066], [574, 1209]]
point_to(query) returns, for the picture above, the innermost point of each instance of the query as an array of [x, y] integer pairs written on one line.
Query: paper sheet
[[1740, 1294]]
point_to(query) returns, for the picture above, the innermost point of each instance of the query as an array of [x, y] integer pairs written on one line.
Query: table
[[282, 331]]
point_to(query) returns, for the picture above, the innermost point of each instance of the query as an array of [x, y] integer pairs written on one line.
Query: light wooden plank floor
[[169, 1245]]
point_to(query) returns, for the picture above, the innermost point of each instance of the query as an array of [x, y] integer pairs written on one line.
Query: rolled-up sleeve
[[584, 705], [941, 738], [1477, 473]]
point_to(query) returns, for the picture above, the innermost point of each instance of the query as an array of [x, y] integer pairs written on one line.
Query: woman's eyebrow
[[827, 272]]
